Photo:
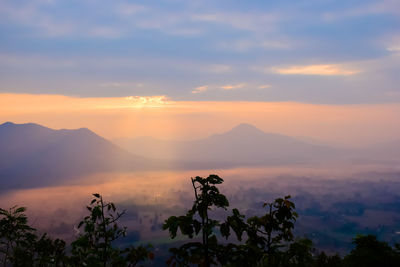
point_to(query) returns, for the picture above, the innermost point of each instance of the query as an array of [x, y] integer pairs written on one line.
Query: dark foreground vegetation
[[211, 238]]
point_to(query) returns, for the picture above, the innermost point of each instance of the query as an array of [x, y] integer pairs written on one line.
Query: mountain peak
[[245, 128], [241, 131], [7, 124], [10, 126]]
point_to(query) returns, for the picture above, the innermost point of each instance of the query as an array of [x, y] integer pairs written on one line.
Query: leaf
[[225, 230], [151, 255], [20, 210]]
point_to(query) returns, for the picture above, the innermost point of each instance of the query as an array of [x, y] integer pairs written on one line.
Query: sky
[[157, 116], [172, 69], [313, 51]]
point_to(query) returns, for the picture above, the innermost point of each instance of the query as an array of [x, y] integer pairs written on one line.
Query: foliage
[[94, 247], [16, 236], [299, 254], [196, 220], [20, 246], [49, 252], [267, 233], [371, 252], [265, 240], [323, 260], [264, 234]]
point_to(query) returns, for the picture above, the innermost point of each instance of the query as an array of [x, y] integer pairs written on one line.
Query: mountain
[[388, 152], [242, 145], [32, 155]]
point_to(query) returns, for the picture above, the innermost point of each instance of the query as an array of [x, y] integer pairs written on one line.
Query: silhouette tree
[[323, 260], [16, 236], [264, 234], [94, 247], [207, 197], [299, 254], [49, 252], [20, 246], [370, 252], [265, 240]]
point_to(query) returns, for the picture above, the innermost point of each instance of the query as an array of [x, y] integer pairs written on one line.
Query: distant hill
[[32, 155], [388, 152], [242, 145]]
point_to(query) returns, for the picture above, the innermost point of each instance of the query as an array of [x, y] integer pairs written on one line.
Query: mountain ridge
[[33, 154], [244, 140]]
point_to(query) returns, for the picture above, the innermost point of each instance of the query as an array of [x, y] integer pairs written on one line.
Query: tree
[[369, 251], [323, 260], [264, 234], [49, 252], [94, 247], [16, 236], [268, 232], [299, 254], [207, 197], [20, 246]]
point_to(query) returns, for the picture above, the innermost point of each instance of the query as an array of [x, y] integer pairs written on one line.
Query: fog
[[334, 202]]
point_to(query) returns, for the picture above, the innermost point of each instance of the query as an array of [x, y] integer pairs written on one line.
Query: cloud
[[233, 86], [130, 9], [105, 32], [145, 101], [203, 88], [200, 89], [394, 48], [255, 22], [112, 84], [121, 84], [320, 69], [245, 45], [393, 44], [390, 7], [186, 19], [219, 68], [31, 16], [264, 86]]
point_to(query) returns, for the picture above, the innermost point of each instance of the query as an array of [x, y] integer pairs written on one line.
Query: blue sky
[[323, 52]]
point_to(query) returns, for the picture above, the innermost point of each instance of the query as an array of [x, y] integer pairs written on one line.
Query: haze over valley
[[341, 189], [33, 155]]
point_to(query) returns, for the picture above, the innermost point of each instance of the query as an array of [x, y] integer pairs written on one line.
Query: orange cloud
[[233, 86], [322, 69], [200, 89]]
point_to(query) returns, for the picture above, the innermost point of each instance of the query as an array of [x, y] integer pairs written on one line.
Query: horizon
[[254, 128], [131, 117]]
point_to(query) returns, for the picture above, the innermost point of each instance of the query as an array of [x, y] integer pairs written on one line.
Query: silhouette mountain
[[242, 145], [32, 155], [383, 152]]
